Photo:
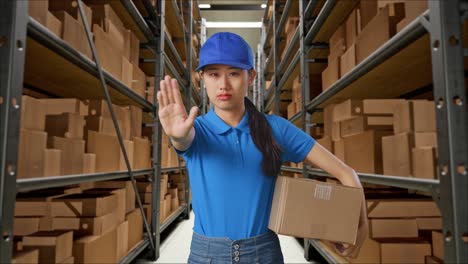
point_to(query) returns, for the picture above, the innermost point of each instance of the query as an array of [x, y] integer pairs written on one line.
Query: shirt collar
[[217, 125]]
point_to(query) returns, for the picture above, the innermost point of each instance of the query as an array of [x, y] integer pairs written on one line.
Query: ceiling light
[[233, 24], [204, 6], [263, 5]]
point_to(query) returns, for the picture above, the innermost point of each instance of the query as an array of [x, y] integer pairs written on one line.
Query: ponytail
[[263, 138]]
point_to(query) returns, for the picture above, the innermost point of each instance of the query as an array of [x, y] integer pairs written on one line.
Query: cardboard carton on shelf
[[54, 24], [60, 106], [339, 150], [139, 81], [331, 74], [348, 60], [363, 152], [353, 27], [396, 152], [89, 163], [424, 162], [347, 110], [142, 153], [411, 251], [67, 125], [338, 37], [380, 106], [414, 116], [127, 72], [54, 246], [326, 142], [110, 54], [167, 205], [96, 249], [401, 208], [393, 228], [129, 192], [135, 227], [369, 253], [103, 13], [71, 8], [412, 10], [38, 10], [73, 33], [26, 225], [122, 240], [134, 42], [32, 114], [379, 30], [425, 139], [130, 149], [288, 216], [32, 145], [437, 244], [136, 115], [73, 150], [367, 10], [328, 119], [52, 162], [83, 205], [26, 256], [108, 152], [429, 223], [433, 260], [86, 226], [360, 124]]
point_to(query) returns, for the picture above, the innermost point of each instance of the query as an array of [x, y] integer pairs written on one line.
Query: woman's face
[[227, 86]]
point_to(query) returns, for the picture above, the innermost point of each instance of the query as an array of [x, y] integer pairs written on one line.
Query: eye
[[213, 74], [234, 74]]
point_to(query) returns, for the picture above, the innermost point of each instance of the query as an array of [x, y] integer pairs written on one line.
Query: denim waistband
[[265, 236]]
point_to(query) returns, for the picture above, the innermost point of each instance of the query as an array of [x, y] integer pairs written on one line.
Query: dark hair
[[263, 138]]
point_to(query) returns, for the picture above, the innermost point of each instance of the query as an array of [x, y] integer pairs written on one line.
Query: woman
[[233, 155]]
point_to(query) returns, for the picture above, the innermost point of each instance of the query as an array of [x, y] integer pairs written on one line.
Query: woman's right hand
[[172, 113]]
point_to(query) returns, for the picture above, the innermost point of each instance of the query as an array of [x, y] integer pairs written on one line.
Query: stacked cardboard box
[[354, 129], [169, 157], [371, 24], [97, 225], [289, 30], [414, 136]]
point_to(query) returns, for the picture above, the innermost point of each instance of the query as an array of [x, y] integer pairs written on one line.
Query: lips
[[224, 96]]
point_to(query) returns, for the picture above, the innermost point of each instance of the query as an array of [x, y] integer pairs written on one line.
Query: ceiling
[[251, 35]]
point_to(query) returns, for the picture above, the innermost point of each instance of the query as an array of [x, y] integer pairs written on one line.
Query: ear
[[202, 75], [252, 75]]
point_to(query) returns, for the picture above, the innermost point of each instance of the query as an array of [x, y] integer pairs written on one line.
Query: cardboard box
[[348, 60], [167, 205], [139, 81], [54, 246], [401, 208], [73, 33], [328, 119], [101, 13], [135, 227], [69, 260], [363, 152], [32, 113], [429, 223], [141, 154], [127, 72], [72, 8], [412, 10], [396, 153], [425, 139], [433, 260], [84, 205], [347, 110], [353, 27], [163, 190], [415, 116], [26, 256], [331, 74], [96, 249], [24, 226], [437, 244], [32, 207], [129, 191], [338, 36], [38, 10], [52, 162], [73, 150], [120, 194], [86, 226], [144, 187], [367, 10], [369, 253], [326, 143], [54, 24], [130, 149], [64, 105], [66, 125], [291, 109], [150, 94], [380, 106], [146, 198], [379, 30], [424, 162], [360, 124], [122, 240], [174, 204], [134, 47], [136, 121], [401, 252], [32, 145], [288, 216], [89, 163], [336, 131], [107, 150], [100, 108], [393, 228], [110, 55]]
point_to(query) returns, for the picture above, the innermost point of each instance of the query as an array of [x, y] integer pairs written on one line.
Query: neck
[[231, 117]]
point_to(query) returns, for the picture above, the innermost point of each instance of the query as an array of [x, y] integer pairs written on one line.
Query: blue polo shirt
[[231, 196]]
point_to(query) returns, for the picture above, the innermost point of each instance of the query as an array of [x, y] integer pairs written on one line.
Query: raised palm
[[172, 114]]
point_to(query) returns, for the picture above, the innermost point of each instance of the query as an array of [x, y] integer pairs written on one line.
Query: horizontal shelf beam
[[321, 18], [31, 184], [135, 14], [283, 18], [323, 251], [171, 169], [46, 38], [289, 50]]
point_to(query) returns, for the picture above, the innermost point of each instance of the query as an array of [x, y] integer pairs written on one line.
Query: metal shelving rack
[[16, 29], [435, 35]]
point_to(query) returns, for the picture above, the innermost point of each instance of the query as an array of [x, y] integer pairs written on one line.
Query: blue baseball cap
[[226, 48]]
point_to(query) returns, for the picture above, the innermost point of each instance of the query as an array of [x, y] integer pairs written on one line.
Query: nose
[[223, 82]]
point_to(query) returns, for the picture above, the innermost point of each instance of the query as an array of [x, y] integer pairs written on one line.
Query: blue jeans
[[263, 249]]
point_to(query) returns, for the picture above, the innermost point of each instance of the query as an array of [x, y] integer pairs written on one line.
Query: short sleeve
[[296, 144]]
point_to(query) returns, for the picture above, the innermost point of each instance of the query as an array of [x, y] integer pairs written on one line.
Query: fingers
[[170, 93], [176, 93], [160, 100], [193, 114], [163, 91]]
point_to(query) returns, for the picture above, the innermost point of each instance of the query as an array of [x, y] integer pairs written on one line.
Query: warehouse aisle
[[175, 247]]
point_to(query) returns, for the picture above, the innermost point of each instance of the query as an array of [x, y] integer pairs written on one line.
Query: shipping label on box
[[292, 195]]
